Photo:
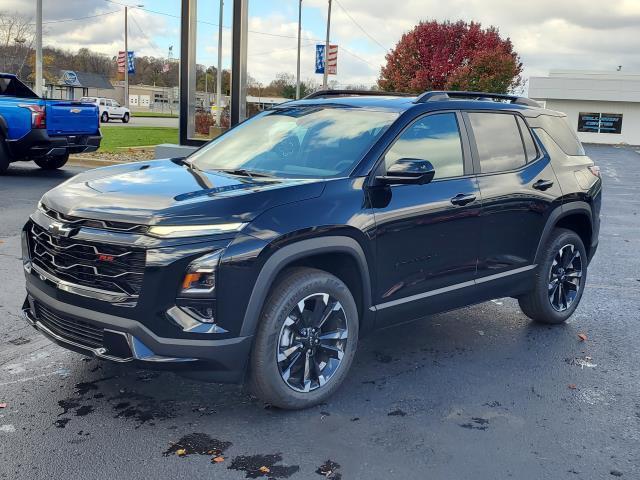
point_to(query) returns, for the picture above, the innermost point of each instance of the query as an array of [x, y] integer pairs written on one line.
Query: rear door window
[[498, 140]]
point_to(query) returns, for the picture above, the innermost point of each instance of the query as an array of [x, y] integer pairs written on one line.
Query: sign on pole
[[331, 61], [131, 62]]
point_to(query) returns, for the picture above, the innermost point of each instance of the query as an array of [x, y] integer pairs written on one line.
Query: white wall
[[630, 119]]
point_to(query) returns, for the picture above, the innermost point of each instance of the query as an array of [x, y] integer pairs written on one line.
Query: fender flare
[[284, 256], [560, 212]]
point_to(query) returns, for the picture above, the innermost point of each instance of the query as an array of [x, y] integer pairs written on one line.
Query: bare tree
[[17, 34]]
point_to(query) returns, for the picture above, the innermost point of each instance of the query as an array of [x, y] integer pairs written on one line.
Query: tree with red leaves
[[451, 56]]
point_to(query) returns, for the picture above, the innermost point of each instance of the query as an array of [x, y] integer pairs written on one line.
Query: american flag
[[121, 62], [332, 60]]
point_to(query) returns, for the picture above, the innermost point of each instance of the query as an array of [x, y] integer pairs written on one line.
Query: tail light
[[595, 170], [38, 116]]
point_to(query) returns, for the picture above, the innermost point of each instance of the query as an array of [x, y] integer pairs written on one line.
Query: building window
[[600, 122]]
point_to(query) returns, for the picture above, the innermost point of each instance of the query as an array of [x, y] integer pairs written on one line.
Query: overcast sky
[[548, 34]]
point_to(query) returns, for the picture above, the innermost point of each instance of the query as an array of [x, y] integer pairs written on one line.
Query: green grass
[[154, 114], [129, 136]]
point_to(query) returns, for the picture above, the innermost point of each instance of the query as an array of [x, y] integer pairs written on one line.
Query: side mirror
[[408, 171]]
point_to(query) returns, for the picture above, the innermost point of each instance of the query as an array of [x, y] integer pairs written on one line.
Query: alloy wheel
[[312, 342], [565, 277]]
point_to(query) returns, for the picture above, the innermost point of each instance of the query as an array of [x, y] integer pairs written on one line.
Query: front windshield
[[317, 141]]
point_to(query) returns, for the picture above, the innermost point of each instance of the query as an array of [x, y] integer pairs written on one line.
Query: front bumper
[[37, 144], [127, 341]]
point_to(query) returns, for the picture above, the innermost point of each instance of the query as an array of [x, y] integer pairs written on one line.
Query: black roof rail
[[354, 93], [443, 95]]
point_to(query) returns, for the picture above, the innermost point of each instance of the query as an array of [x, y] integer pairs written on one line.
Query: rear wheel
[[52, 163], [306, 340], [560, 280], [4, 156], [125, 118], [104, 118]]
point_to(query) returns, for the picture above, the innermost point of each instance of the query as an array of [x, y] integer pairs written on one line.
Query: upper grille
[[69, 328], [108, 267], [92, 223]]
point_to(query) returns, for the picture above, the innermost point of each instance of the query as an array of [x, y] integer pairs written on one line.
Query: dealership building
[[602, 107]]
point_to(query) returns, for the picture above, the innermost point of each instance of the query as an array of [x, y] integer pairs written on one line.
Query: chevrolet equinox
[[269, 252]]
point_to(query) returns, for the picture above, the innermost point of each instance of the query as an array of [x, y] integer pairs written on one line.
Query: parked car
[[45, 131], [109, 109], [268, 253]]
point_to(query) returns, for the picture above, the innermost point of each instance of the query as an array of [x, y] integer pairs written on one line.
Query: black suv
[[270, 251]]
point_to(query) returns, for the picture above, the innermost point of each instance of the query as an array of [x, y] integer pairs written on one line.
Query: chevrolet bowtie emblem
[[59, 230], [75, 110]]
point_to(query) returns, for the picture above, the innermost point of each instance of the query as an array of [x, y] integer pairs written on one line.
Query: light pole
[[326, 50], [219, 72], [299, 33], [126, 53], [38, 80]]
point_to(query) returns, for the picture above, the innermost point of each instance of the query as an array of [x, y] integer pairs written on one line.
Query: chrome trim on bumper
[[89, 292]]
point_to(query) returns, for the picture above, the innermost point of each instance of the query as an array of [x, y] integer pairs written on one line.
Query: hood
[[168, 192]]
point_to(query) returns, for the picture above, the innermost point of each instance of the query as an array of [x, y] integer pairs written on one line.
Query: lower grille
[[69, 328]]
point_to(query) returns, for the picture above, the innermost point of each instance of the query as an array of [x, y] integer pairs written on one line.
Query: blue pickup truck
[[45, 131]]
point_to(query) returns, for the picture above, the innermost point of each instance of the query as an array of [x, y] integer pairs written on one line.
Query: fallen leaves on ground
[[217, 459], [3, 405], [181, 452], [582, 337], [572, 386], [264, 469]]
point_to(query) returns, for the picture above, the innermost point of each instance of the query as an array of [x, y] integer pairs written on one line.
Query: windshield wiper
[[243, 172]]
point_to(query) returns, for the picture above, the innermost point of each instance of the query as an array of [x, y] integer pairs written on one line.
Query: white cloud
[[581, 34]]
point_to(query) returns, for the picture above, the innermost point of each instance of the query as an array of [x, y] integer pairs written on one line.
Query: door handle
[[543, 184], [462, 199]]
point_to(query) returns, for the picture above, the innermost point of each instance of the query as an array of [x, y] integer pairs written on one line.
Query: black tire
[[265, 377], [5, 160], [52, 163], [104, 118], [125, 118], [544, 303]]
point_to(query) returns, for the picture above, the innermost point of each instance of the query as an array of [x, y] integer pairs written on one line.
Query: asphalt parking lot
[[478, 393]]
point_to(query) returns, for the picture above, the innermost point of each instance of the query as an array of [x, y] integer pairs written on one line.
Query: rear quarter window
[[561, 133]]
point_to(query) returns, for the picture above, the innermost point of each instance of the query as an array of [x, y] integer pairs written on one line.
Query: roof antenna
[[619, 68]]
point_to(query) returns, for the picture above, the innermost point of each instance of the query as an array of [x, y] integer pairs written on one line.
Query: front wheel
[[560, 279], [52, 163], [306, 339], [125, 118]]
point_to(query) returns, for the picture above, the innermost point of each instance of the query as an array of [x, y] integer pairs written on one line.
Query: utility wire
[[360, 27], [79, 18]]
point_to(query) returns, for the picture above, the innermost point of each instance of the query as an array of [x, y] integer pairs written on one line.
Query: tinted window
[[435, 138], [529, 144], [561, 132], [101, 102], [499, 143], [12, 87]]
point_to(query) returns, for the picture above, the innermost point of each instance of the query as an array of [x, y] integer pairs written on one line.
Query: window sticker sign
[[600, 122]]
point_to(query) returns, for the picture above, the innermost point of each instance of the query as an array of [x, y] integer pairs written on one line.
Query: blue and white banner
[[320, 58]]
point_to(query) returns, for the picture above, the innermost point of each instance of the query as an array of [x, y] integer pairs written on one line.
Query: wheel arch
[[4, 128], [574, 216], [321, 253]]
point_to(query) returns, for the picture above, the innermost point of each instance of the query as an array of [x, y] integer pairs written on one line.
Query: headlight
[[178, 231], [200, 279]]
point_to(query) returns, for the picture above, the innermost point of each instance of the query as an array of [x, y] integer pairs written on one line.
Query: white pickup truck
[[109, 109]]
